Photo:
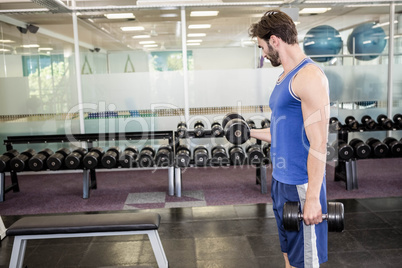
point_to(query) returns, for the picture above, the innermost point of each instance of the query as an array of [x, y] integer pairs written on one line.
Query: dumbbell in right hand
[[335, 216], [236, 128]]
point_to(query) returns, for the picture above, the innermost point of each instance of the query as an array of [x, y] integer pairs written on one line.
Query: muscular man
[[298, 137]]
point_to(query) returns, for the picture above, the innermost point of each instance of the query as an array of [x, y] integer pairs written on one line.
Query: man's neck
[[291, 56]]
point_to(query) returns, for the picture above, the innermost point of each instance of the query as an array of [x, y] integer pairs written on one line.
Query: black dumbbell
[[345, 151], [331, 152], [219, 157], [251, 124], [335, 216], [216, 129], [266, 149], [20, 162], [164, 156], [146, 157], [56, 160], [183, 156], [6, 158], [201, 156], [334, 124], [384, 122], [265, 123], [351, 122], [237, 155], [235, 128], [255, 155], [93, 158], [74, 160], [378, 149], [39, 161], [368, 122], [199, 129], [110, 159], [397, 118], [129, 157], [361, 149], [182, 129], [395, 146]]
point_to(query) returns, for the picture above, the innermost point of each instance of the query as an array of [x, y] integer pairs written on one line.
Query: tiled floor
[[228, 237]]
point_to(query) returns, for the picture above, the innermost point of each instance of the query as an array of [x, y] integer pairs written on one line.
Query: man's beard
[[273, 56]]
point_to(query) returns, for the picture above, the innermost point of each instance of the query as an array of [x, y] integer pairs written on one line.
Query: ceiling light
[[196, 35], [383, 24], [45, 49], [193, 44], [132, 28], [7, 41], [146, 42], [367, 5], [203, 13], [120, 16], [91, 20], [141, 36], [30, 46], [313, 10], [169, 15], [199, 26], [194, 41], [151, 45], [4, 50]]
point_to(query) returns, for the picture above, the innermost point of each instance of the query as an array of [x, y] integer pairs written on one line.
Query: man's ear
[[274, 41]]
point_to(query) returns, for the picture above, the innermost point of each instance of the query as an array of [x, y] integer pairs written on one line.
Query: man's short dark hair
[[275, 22]]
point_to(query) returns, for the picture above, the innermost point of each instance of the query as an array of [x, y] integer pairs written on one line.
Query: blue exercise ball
[[368, 39], [322, 40]]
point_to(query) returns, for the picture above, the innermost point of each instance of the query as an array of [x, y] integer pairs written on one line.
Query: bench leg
[[177, 181], [18, 252], [158, 249]]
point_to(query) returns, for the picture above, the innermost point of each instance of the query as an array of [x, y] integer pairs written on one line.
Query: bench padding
[[84, 223]]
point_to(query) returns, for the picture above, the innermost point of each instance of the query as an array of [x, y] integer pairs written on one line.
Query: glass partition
[[131, 77]]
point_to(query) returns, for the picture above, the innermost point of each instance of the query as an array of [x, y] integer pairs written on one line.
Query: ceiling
[[162, 21]]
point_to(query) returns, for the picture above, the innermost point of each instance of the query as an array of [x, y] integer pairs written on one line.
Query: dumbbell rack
[[89, 175], [346, 170], [261, 170]]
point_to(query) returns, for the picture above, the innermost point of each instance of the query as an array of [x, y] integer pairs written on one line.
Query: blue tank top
[[289, 143]]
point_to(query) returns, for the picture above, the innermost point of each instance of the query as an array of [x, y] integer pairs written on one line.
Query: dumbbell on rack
[[200, 156], [368, 122], [6, 158], [216, 129], [235, 128], [111, 157], [74, 160], [254, 154], [93, 158], [183, 156], [335, 216], [20, 162], [219, 157], [334, 124], [39, 160], [182, 129], [251, 124], [129, 157], [397, 118], [164, 156], [237, 155], [384, 122], [361, 149], [351, 122], [56, 160], [331, 153], [378, 149], [199, 129], [345, 151], [146, 157], [265, 123], [395, 146]]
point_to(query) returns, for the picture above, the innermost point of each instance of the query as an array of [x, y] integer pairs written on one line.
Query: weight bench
[[85, 225]]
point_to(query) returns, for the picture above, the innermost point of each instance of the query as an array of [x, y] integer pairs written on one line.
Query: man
[[298, 137]]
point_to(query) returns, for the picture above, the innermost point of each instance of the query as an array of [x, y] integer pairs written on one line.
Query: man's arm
[[261, 134], [311, 86]]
